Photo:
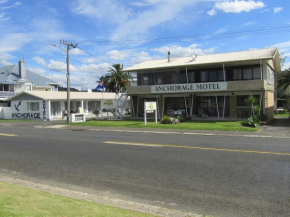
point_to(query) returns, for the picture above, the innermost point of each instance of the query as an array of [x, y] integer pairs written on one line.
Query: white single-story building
[[49, 105]]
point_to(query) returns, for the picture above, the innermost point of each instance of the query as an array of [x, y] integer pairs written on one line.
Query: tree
[[116, 78], [284, 81]]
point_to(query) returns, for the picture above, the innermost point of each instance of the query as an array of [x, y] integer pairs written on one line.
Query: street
[[209, 175]]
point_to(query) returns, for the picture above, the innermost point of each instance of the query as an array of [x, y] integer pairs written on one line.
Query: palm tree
[[284, 81], [116, 78]]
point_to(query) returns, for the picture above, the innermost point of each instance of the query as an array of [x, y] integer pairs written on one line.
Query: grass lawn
[[286, 115], [19, 201], [190, 125]]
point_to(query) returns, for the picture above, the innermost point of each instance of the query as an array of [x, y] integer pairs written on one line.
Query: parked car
[[280, 110]]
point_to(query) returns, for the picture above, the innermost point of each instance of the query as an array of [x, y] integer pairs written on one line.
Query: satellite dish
[[193, 57]]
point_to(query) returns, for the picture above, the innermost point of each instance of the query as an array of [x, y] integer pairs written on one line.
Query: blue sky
[[128, 32]]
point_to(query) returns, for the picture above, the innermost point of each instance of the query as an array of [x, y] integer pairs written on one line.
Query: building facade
[[214, 85], [48, 105], [16, 78]]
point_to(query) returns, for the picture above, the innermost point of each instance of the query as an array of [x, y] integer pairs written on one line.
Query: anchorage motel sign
[[200, 87]]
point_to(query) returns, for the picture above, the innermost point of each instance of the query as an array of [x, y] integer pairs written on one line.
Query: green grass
[[286, 114], [190, 125], [23, 202]]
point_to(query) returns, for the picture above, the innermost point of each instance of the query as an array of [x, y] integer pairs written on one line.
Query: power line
[[204, 36]]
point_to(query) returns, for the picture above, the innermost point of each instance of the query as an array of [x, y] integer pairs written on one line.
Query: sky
[[129, 32]]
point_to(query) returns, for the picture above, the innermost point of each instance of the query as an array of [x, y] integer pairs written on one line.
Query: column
[[82, 106], [48, 111]]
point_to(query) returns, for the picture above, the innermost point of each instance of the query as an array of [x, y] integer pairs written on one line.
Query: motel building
[[206, 86], [52, 105]]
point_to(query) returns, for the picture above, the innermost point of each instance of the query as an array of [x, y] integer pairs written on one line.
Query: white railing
[[6, 94]]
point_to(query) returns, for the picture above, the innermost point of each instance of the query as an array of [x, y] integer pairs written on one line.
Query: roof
[[249, 55], [10, 75], [55, 95]]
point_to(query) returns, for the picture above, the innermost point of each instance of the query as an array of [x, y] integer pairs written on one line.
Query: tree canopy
[[115, 79]]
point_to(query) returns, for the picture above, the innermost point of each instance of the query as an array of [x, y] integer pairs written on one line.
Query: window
[[213, 76], [33, 106], [221, 75], [256, 73], [183, 78], [175, 106], [241, 100], [208, 105], [204, 76], [237, 74], [91, 107], [247, 74], [191, 76]]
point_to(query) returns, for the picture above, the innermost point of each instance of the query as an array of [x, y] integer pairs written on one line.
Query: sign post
[[150, 107]]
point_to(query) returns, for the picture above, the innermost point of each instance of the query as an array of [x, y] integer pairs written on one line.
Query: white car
[[280, 110]]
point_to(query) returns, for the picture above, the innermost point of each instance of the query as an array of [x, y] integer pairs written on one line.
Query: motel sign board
[[194, 87]]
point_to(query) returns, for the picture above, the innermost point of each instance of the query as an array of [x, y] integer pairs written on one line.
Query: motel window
[[175, 106], [204, 76], [221, 75], [256, 73], [208, 105], [212, 76], [91, 106], [191, 76], [241, 100], [183, 78], [237, 74], [33, 106], [247, 74]]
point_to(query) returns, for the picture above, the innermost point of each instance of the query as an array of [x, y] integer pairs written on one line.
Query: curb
[[179, 133]]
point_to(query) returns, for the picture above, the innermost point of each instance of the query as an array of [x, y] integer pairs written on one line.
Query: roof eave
[[192, 65]]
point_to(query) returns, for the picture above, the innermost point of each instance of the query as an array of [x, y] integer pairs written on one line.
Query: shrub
[[252, 121], [166, 120]]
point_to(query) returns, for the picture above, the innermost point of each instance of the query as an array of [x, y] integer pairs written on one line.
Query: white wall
[[23, 112]]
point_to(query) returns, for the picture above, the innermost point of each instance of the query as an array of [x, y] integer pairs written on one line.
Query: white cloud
[[77, 51], [4, 62], [140, 57], [236, 6], [212, 12], [36, 70], [277, 10], [94, 68], [139, 24], [11, 6], [117, 55], [110, 10], [59, 66], [40, 61], [3, 1], [250, 23], [178, 51]]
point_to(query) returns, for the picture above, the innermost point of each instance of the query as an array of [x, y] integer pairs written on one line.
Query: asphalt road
[[218, 176]]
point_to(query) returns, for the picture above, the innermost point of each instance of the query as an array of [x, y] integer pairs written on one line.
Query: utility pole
[[68, 45]]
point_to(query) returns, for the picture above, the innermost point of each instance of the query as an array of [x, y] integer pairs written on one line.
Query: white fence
[[5, 113]]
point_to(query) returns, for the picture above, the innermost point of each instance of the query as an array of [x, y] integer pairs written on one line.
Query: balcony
[[6, 95]]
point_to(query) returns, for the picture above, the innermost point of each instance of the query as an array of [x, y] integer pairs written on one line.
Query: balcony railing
[[6, 94]]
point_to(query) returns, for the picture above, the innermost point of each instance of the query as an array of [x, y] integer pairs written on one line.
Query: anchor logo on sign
[[16, 106]]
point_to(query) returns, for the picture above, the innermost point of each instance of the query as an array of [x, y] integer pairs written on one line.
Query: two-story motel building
[[213, 85]]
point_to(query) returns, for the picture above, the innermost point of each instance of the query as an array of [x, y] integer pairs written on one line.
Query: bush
[[166, 120], [252, 121]]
